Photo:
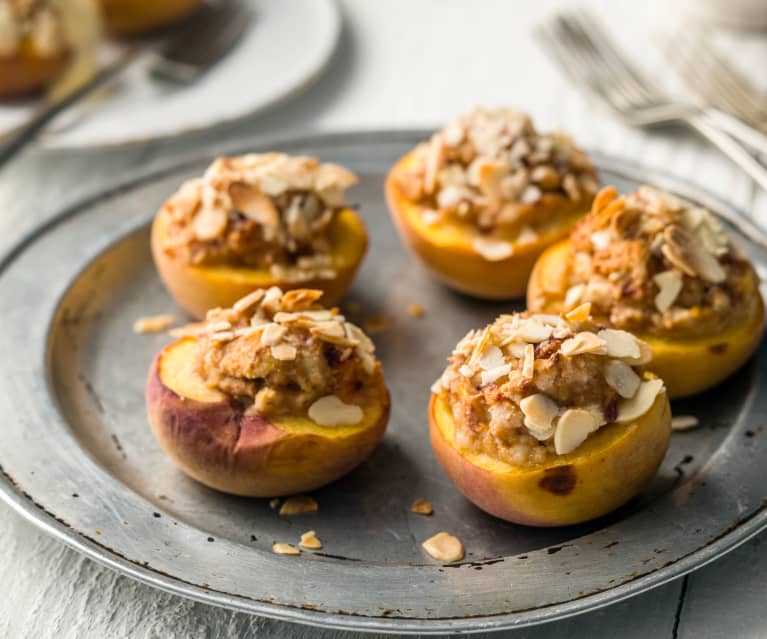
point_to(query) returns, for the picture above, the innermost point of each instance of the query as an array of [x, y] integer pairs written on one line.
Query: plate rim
[[26, 506]]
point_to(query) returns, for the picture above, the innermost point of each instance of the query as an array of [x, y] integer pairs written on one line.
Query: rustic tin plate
[[78, 458]]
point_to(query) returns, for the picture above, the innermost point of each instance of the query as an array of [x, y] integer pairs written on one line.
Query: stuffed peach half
[[274, 396], [34, 47], [135, 17], [664, 269], [483, 197], [547, 421], [257, 221]]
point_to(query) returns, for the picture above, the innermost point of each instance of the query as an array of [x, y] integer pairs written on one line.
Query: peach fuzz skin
[[446, 248], [27, 71], [134, 17], [686, 365], [212, 439], [607, 470], [199, 288]]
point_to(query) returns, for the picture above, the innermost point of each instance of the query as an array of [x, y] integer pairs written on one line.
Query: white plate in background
[[286, 47]]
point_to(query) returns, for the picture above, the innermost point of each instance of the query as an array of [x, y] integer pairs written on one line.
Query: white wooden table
[[400, 63]]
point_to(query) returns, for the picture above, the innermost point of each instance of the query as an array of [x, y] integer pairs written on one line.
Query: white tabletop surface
[[400, 63]]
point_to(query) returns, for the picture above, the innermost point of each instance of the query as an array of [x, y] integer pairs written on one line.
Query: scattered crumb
[[376, 324], [299, 505], [684, 422], [352, 307], [98, 532], [153, 323], [273, 503], [415, 310], [187, 330], [309, 540], [285, 549], [444, 547], [421, 507]]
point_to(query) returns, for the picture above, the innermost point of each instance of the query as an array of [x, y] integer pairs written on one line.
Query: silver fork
[[594, 63], [707, 74]]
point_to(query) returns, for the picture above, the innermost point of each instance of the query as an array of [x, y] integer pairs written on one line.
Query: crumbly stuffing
[[530, 386], [35, 20], [653, 263], [263, 211], [284, 354], [491, 168]]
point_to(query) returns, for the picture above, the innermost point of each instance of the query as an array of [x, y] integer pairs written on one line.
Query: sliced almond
[[332, 411], [583, 342], [621, 377], [491, 358], [528, 365], [284, 352], [310, 541], [332, 330], [603, 198], [533, 331], [527, 235], [209, 223], [491, 249], [153, 323], [487, 175], [574, 295], [285, 549], [669, 284], [620, 344], [444, 547], [540, 411], [272, 334], [684, 422], [251, 299], [573, 428], [299, 505], [600, 240], [421, 507], [466, 370], [641, 402], [253, 204], [684, 252], [493, 374], [579, 313], [222, 336]]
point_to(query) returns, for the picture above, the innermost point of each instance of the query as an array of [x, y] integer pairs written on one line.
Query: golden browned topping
[[298, 505], [37, 21], [491, 167], [264, 211], [444, 547], [287, 355], [529, 386], [652, 262]]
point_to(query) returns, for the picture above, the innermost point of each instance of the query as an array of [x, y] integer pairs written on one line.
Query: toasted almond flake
[[298, 505], [431, 217], [669, 284], [332, 411], [222, 336], [466, 371], [492, 250], [436, 387], [223, 325], [273, 503], [251, 299], [531, 194], [684, 252], [253, 204], [527, 235], [620, 344], [284, 352], [209, 223], [641, 402], [332, 330], [153, 323], [600, 240], [421, 507], [492, 357], [272, 334], [310, 541], [574, 295], [533, 331], [194, 329], [285, 549], [528, 367], [491, 375], [684, 422], [579, 313], [583, 342], [444, 547], [415, 310], [621, 377], [573, 428], [540, 411], [375, 324]]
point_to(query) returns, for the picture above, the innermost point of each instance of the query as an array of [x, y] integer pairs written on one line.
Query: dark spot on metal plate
[[211, 539], [559, 480], [611, 544], [718, 349], [156, 515], [553, 550]]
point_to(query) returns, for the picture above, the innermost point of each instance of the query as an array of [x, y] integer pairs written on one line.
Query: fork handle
[[738, 129], [732, 149]]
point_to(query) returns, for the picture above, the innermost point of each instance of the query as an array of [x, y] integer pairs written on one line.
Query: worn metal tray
[[78, 458]]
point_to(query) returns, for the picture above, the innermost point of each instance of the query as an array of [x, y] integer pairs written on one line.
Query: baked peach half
[[667, 271], [124, 18], [257, 221], [282, 409], [546, 421], [485, 196]]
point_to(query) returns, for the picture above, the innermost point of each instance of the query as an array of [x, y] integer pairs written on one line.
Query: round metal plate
[[78, 458]]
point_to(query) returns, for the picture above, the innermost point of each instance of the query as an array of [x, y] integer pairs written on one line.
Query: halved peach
[[604, 472], [686, 365], [446, 247], [27, 71], [199, 288], [218, 443], [134, 17]]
